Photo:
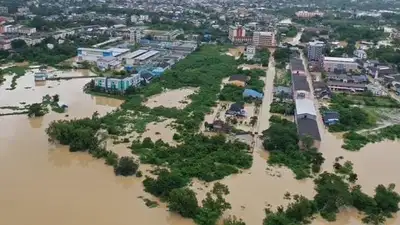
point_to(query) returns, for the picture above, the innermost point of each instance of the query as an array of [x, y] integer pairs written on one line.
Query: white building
[[361, 54], [250, 52], [135, 35], [306, 14], [108, 62], [315, 50], [117, 83], [134, 19], [144, 18], [263, 39], [331, 64], [93, 54]]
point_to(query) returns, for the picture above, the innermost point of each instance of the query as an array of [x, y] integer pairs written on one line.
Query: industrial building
[[93, 54]]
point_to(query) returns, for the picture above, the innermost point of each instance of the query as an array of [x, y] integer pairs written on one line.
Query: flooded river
[[45, 184]]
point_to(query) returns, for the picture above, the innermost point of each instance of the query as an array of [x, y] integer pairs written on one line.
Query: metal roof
[[305, 106], [135, 53], [147, 55]]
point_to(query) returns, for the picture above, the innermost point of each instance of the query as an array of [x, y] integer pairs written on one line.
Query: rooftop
[[305, 106], [339, 59], [300, 83], [296, 64], [238, 77], [147, 55], [308, 127]]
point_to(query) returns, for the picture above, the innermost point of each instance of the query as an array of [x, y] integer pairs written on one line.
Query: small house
[[282, 91], [41, 76], [236, 109], [221, 126], [238, 80], [250, 93], [330, 118], [146, 77]]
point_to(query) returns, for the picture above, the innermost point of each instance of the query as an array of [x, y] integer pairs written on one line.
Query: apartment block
[[263, 39], [315, 51]]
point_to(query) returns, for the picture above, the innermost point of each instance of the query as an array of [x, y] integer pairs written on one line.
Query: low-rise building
[[238, 80], [236, 109], [250, 52], [307, 14], [346, 87], [297, 67], [340, 64], [108, 62], [361, 54]]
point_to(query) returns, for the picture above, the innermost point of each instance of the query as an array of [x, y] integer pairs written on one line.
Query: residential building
[[135, 35], [250, 52], [330, 117], [238, 80], [117, 83], [338, 64], [351, 87], [134, 19], [361, 54], [236, 109], [307, 14], [144, 18], [3, 10], [264, 39], [315, 51], [250, 93], [347, 78]]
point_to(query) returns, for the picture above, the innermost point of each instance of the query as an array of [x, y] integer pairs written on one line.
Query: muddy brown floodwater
[[46, 184]]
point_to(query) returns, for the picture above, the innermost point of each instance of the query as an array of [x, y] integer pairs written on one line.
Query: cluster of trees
[[351, 117], [170, 187], [206, 158], [281, 56], [41, 53], [36, 110], [350, 33], [82, 135], [291, 31], [282, 141], [385, 54], [354, 141], [263, 55], [333, 193], [286, 108]]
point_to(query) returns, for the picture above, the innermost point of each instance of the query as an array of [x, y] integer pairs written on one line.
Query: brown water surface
[[46, 184]]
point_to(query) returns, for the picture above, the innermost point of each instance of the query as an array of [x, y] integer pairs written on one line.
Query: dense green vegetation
[[281, 140], [352, 33], [231, 93], [281, 56], [291, 31], [334, 192], [354, 141], [352, 115], [206, 158], [14, 70], [385, 54], [286, 108], [263, 55]]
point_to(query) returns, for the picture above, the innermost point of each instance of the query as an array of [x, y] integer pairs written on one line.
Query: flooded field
[[173, 98], [46, 184]]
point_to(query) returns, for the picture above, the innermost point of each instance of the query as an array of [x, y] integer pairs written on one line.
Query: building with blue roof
[[252, 94]]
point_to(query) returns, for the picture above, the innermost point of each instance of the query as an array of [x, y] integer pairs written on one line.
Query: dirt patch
[[160, 130], [172, 98]]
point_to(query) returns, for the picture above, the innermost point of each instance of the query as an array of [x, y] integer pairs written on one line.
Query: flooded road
[[46, 184]]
